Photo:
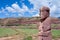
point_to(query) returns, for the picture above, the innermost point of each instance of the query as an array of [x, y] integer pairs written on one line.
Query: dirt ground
[[15, 37]]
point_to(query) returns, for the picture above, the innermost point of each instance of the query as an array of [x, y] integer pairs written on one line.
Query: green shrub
[[28, 38]]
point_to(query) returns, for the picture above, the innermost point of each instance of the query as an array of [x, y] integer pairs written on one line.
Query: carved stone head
[[44, 12]]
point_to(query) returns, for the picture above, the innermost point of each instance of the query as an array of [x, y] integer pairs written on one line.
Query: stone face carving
[[44, 24]]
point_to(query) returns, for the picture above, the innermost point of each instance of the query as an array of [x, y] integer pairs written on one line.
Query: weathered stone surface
[[45, 30], [44, 25]]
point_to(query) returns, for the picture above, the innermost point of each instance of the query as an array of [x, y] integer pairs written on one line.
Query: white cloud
[[0, 11], [19, 10], [36, 15], [20, 15], [53, 10], [25, 8], [16, 7], [10, 9], [36, 3], [6, 14]]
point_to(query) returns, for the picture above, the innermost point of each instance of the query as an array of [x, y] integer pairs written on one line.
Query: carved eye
[[44, 10], [47, 10]]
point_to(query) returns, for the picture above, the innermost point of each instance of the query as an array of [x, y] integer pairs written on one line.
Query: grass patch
[[27, 32], [56, 33], [7, 32]]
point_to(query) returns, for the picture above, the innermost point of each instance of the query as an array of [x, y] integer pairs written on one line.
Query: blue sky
[[27, 8]]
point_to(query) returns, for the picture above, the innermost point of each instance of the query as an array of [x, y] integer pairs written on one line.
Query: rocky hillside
[[17, 21]]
